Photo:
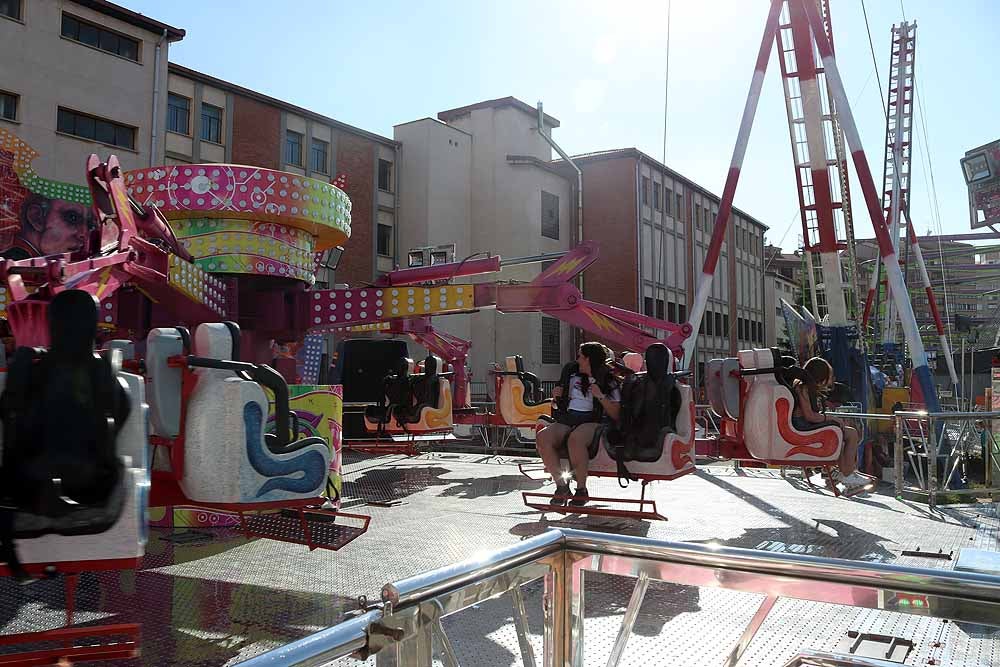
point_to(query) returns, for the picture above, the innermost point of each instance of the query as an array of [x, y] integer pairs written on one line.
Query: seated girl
[[808, 416], [593, 398]]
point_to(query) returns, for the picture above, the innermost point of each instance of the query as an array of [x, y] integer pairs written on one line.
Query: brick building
[[210, 120], [654, 226]]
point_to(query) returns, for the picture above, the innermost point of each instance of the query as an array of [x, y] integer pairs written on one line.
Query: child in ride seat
[[592, 398], [808, 415]]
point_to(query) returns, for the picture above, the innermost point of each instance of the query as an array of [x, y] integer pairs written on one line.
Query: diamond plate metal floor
[[218, 599]]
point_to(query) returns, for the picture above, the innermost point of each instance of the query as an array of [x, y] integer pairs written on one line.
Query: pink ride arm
[[551, 293]]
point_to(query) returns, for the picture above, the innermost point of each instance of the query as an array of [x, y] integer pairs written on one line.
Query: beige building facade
[[480, 177], [81, 77]]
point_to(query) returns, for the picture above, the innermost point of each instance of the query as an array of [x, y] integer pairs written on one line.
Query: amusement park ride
[[196, 269]]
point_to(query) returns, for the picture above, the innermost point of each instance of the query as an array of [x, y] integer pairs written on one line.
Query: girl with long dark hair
[[590, 399], [809, 415]]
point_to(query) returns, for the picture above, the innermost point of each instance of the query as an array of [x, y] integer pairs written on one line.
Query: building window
[[384, 241], [680, 206], [551, 354], [656, 195], [739, 329], [725, 325], [95, 129], [385, 176], [659, 309], [721, 330], [8, 106], [100, 38], [671, 311], [667, 201], [178, 114], [697, 216], [211, 123], [709, 323], [682, 313], [318, 156], [293, 148], [645, 191], [550, 215], [647, 306], [11, 9]]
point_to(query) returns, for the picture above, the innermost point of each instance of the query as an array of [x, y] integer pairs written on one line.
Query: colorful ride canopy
[[244, 220]]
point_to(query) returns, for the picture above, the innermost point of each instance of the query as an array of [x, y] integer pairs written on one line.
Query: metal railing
[[706, 422], [954, 442], [408, 623]]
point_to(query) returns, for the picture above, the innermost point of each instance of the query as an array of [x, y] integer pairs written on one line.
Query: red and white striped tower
[[898, 144], [918, 255], [896, 167], [812, 128], [703, 287], [839, 100], [897, 286]]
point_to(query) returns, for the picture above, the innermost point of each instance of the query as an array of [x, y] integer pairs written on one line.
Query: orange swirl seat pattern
[[514, 409]]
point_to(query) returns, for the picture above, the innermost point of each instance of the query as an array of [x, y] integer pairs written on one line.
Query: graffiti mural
[[320, 411], [38, 216]]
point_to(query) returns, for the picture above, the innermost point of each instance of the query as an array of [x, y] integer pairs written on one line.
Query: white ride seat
[[731, 391], [126, 539], [227, 460], [713, 386], [676, 457], [164, 381], [768, 432], [675, 449]]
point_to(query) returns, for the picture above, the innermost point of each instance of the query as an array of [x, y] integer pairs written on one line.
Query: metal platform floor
[[210, 597]]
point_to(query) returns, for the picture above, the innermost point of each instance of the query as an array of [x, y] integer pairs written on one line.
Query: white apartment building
[[480, 177]]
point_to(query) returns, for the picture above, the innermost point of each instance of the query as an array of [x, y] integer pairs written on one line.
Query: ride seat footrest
[[315, 528], [93, 642], [643, 508]]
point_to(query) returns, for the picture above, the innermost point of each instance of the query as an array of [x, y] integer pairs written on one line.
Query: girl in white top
[[593, 397]]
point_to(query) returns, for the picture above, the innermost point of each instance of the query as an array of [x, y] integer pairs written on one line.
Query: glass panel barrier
[[570, 598]]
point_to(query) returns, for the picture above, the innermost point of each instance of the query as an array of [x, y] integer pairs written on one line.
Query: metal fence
[[953, 455], [480, 391], [404, 629]]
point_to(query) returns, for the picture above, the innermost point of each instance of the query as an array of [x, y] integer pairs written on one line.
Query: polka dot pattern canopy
[[236, 192]]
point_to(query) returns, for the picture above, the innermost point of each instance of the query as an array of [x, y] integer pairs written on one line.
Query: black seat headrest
[[234, 335], [657, 360], [519, 363], [786, 361], [403, 367], [72, 325], [567, 370], [430, 366]]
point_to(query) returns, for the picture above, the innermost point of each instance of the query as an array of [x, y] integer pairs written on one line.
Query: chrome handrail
[[410, 619], [429, 584], [322, 647], [973, 586], [911, 414]]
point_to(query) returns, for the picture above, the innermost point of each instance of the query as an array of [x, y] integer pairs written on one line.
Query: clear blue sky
[[599, 67]]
